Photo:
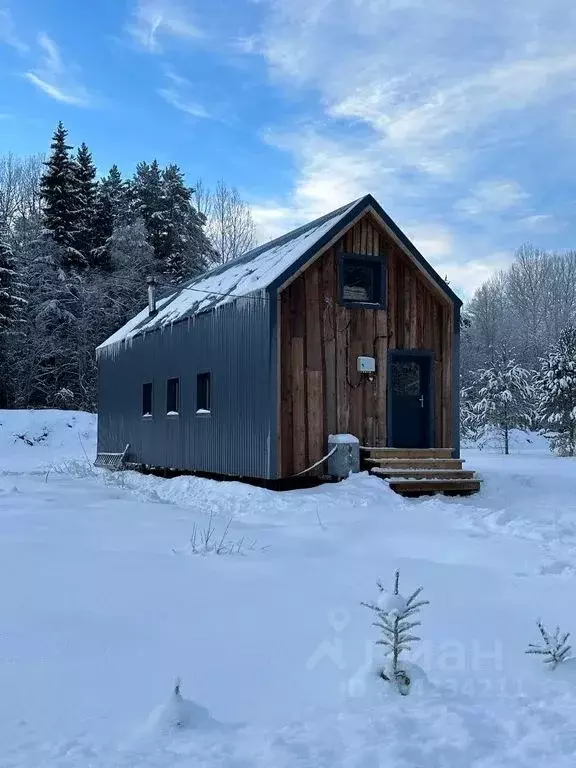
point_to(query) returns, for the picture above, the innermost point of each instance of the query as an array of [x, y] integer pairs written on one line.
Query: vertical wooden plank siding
[[328, 303], [314, 378], [285, 446], [320, 340]]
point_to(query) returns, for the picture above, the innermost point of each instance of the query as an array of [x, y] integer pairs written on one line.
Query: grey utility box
[[346, 457]]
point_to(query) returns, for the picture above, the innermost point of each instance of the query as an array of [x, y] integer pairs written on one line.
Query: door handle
[[421, 401]]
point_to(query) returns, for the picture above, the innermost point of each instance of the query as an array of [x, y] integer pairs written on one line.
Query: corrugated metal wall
[[233, 344]]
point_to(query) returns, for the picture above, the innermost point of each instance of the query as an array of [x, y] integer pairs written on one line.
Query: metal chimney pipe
[[151, 282]]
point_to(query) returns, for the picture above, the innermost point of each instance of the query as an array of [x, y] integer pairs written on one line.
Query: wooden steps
[[423, 474], [417, 463], [408, 453], [425, 487], [418, 472]]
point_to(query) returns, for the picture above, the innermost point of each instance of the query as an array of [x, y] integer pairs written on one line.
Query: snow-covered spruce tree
[[113, 210], [102, 232], [554, 647], [147, 195], [184, 244], [556, 394], [503, 399], [60, 200], [51, 344], [118, 191], [12, 305], [175, 228], [131, 260], [394, 612], [86, 186], [470, 426]]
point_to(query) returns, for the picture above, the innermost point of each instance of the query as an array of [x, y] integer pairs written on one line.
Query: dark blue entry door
[[410, 398]]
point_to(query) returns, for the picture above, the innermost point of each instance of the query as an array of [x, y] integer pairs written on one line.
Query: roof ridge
[[274, 243], [267, 267]]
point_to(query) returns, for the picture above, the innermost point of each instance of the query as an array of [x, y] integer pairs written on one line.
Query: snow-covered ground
[[104, 601]]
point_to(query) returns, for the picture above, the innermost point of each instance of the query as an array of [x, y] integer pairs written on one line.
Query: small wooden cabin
[[340, 326]]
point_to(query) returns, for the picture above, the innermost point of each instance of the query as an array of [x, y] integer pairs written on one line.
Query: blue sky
[[459, 116]]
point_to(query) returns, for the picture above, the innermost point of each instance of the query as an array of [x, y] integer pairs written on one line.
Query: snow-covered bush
[[181, 714], [393, 613], [63, 399], [556, 394], [500, 399], [554, 647]]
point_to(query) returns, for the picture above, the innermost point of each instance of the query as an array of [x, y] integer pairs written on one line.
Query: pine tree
[[12, 304], [148, 203], [184, 244], [103, 229], [174, 226], [119, 193], [556, 393], [503, 399], [11, 287], [60, 198], [131, 260], [393, 621], [113, 209], [86, 195]]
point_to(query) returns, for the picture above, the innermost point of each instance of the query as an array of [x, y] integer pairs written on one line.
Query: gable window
[[147, 399], [362, 281], [203, 393], [173, 397]]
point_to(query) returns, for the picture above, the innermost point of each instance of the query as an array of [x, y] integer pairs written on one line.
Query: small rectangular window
[[173, 397], [147, 399], [361, 281], [203, 394]]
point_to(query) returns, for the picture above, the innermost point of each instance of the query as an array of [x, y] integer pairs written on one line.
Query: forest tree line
[[518, 351], [75, 251]]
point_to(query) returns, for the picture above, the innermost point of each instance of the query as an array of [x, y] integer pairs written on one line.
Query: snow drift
[[98, 615]]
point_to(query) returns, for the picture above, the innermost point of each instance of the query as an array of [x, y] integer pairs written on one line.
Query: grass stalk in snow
[[205, 540]]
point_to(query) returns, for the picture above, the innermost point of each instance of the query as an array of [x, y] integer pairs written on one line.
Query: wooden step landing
[[407, 453], [420, 471], [416, 463], [423, 474], [435, 485]]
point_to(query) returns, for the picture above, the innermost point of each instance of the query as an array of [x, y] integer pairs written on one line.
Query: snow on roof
[[249, 274]]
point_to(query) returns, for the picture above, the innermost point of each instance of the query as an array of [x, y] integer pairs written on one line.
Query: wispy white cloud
[[155, 20], [539, 222], [435, 240], [178, 93], [432, 130], [465, 277], [413, 99], [492, 196], [331, 171], [58, 80], [8, 34]]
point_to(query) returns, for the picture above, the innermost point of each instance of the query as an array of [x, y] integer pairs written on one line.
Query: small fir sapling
[[554, 646], [393, 620]]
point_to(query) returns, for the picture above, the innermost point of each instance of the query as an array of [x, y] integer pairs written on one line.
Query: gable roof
[[264, 268]]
